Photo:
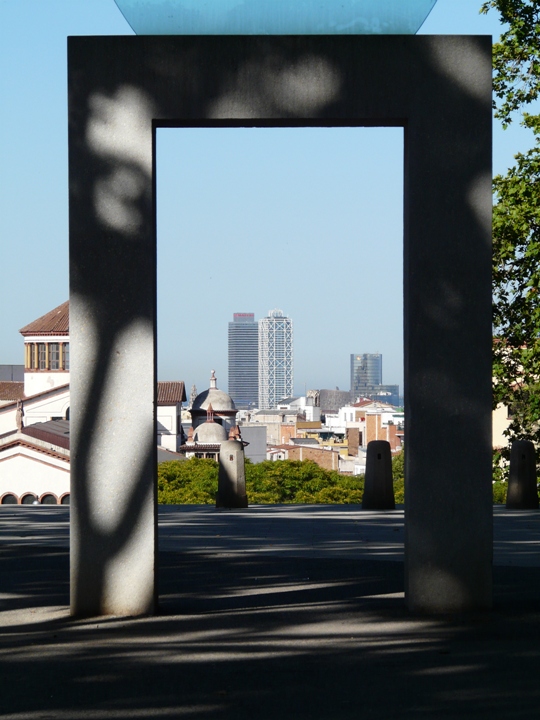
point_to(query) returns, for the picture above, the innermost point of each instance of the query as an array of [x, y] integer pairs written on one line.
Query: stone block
[[522, 484], [378, 483], [232, 476]]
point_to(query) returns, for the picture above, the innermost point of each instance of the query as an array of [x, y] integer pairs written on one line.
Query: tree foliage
[[516, 226], [194, 482], [516, 57], [187, 482], [516, 307], [398, 475], [300, 481]]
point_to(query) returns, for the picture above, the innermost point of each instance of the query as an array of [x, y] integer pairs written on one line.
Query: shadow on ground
[[265, 637]]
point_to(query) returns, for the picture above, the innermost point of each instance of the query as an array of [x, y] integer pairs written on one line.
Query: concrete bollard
[[378, 484], [522, 488], [232, 476]]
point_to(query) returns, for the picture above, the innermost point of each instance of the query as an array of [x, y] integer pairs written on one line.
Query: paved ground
[[274, 612]]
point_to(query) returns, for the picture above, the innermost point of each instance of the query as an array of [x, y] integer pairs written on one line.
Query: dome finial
[[213, 380]]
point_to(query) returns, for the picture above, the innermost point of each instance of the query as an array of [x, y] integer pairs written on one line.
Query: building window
[[31, 359], [54, 356], [65, 357], [42, 356], [49, 499]]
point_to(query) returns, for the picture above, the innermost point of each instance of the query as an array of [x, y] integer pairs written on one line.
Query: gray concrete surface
[[438, 89], [274, 612]]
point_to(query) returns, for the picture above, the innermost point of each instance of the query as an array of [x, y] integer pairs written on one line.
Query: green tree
[[194, 481], [516, 306], [516, 225], [516, 57], [299, 481], [187, 482]]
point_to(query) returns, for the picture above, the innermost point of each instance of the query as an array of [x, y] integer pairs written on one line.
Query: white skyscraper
[[275, 359]]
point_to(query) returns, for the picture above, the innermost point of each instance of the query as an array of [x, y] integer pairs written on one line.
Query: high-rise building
[[275, 359], [386, 394], [244, 360], [366, 380], [366, 373]]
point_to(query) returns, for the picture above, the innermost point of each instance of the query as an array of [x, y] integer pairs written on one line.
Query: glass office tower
[[244, 360], [366, 374]]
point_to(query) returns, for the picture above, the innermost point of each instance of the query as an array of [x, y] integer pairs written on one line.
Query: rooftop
[[11, 390], [170, 392], [55, 322], [55, 432]]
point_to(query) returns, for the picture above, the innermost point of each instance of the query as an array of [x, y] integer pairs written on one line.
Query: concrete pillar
[[378, 484], [522, 487], [112, 334], [232, 476]]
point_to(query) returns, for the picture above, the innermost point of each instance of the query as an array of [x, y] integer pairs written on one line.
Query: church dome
[[218, 399], [210, 432]]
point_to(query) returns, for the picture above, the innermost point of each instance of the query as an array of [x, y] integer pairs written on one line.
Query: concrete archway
[[439, 90]]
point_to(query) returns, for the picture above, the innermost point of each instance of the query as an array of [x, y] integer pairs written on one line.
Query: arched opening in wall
[[29, 499], [8, 499], [305, 219], [49, 499], [64, 499]]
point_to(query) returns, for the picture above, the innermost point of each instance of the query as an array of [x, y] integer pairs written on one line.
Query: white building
[[276, 380], [34, 464], [170, 396], [46, 351], [306, 405], [34, 416], [34, 427], [44, 395]]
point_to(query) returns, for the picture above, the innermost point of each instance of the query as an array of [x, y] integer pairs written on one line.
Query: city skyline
[[305, 218], [255, 209]]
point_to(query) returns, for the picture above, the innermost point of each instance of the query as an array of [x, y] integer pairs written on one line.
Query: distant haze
[[308, 220]]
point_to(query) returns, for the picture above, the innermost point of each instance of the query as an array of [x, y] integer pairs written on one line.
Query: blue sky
[[308, 221]]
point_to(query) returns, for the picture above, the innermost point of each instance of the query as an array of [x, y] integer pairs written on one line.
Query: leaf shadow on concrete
[[247, 636]]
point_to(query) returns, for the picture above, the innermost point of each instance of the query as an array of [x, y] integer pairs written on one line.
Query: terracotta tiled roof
[[10, 390], [36, 396], [171, 392], [55, 322]]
